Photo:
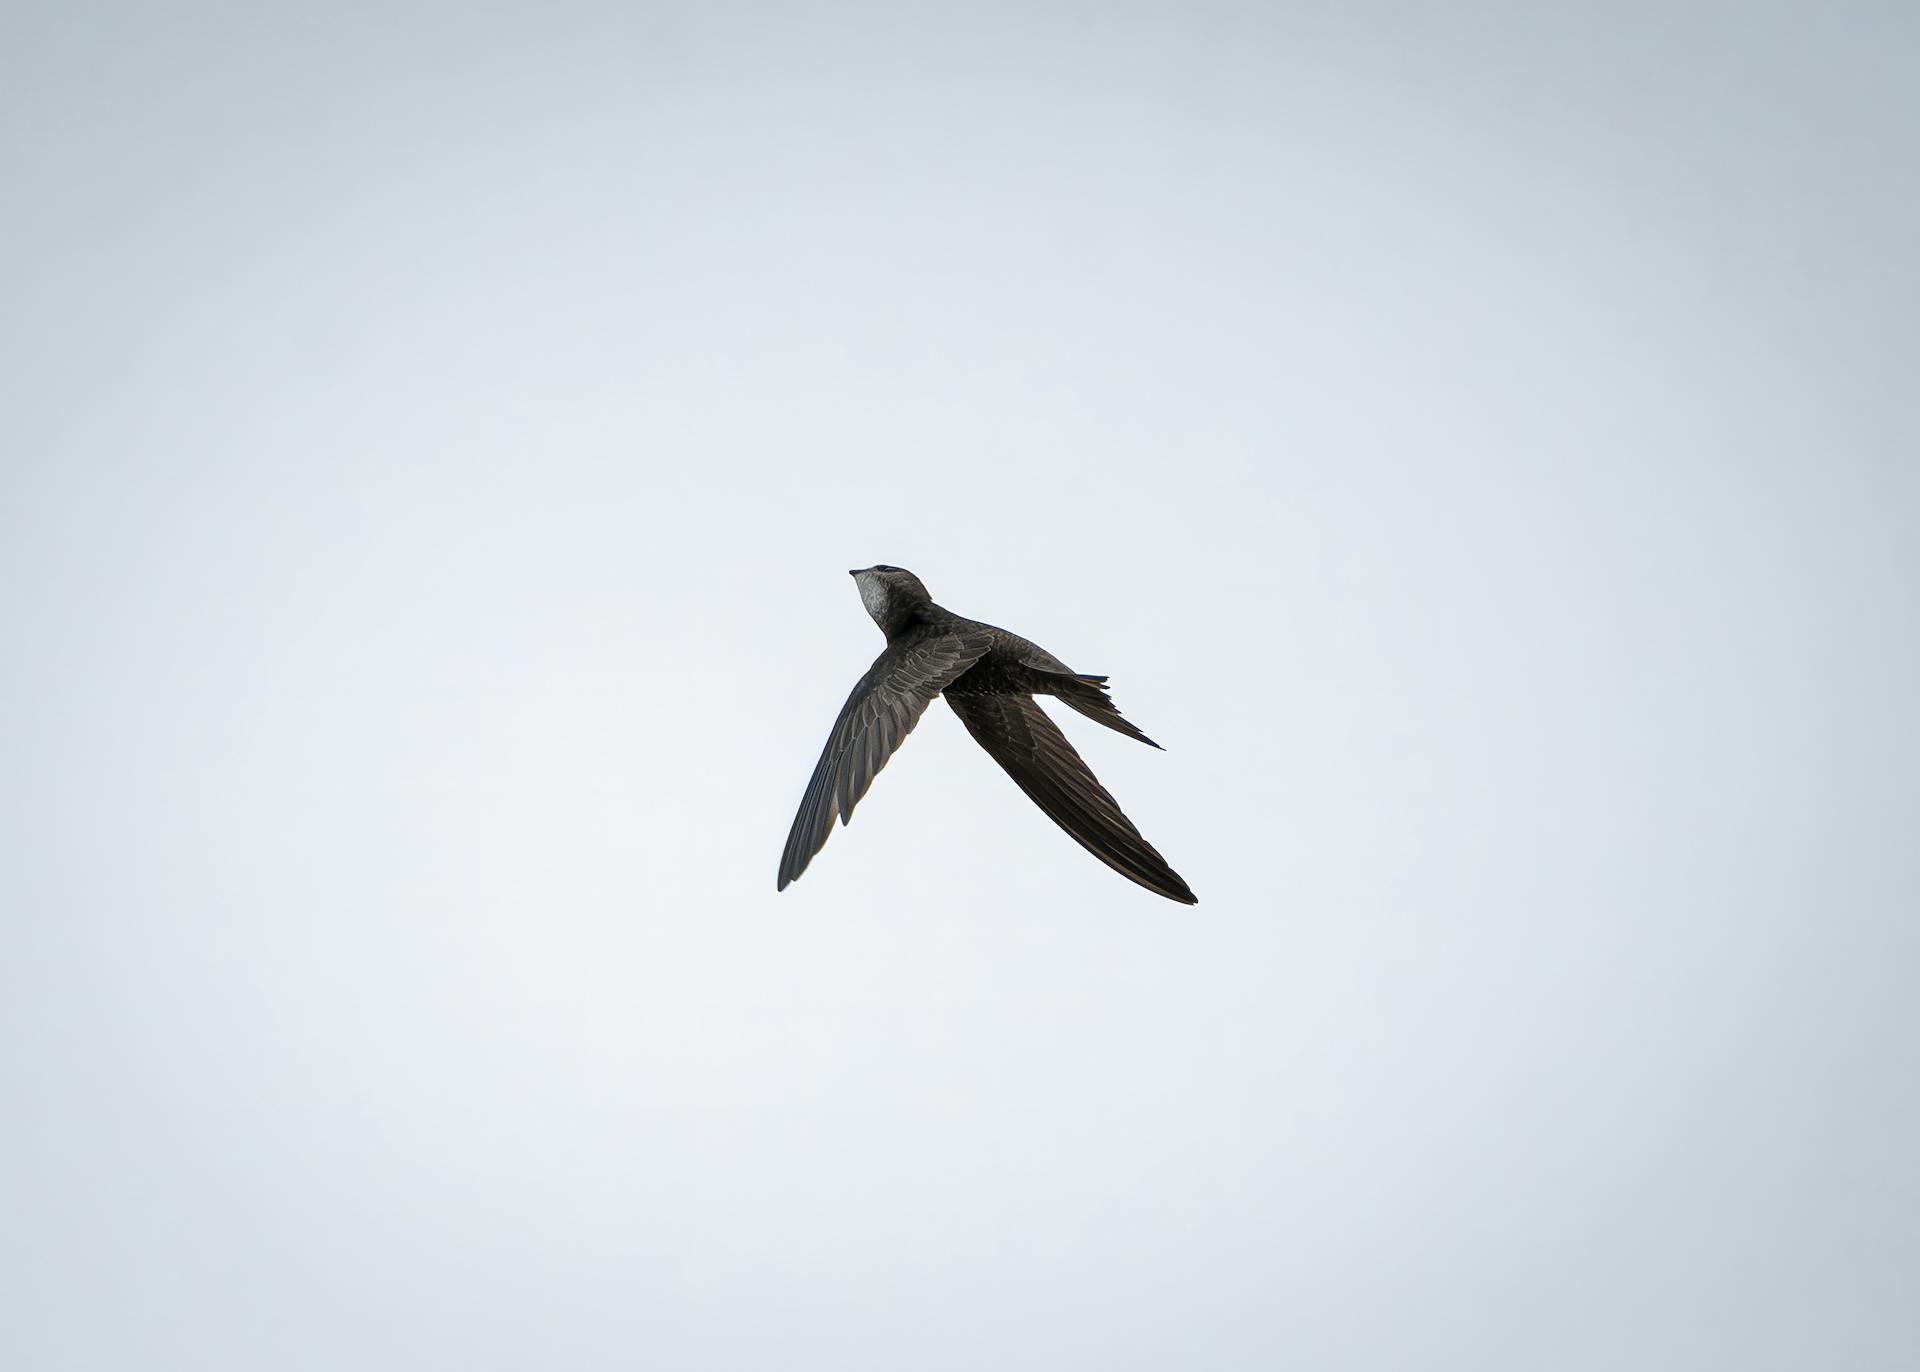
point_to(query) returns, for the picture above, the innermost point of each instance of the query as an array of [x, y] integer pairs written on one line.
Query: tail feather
[[1088, 695]]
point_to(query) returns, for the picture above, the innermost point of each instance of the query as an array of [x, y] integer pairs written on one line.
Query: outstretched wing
[[877, 717], [1019, 736]]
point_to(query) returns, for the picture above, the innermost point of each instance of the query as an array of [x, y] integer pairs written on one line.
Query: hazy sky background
[[1479, 442]]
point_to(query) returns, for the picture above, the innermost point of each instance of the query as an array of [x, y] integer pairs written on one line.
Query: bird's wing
[[1019, 736], [877, 717]]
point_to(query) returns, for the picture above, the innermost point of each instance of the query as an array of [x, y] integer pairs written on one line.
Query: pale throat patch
[[873, 595]]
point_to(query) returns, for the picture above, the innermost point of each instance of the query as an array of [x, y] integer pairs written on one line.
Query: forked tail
[[1088, 695]]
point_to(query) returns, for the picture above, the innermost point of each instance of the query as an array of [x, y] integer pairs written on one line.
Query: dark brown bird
[[990, 678]]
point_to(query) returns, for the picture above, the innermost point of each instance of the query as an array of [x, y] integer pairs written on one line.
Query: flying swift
[[990, 678]]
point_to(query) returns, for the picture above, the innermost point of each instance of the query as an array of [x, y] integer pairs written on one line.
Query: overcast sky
[[1478, 442]]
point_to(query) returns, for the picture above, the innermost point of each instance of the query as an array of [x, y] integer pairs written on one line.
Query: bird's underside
[[990, 678]]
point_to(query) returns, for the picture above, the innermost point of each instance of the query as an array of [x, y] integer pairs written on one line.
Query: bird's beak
[[853, 571]]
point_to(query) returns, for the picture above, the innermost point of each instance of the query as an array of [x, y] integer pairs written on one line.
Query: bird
[[989, 678]]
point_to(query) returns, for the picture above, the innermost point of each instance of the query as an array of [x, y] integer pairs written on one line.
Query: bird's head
[[889, 593]]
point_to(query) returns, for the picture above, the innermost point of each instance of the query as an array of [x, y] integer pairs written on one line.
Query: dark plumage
[[989, 677]]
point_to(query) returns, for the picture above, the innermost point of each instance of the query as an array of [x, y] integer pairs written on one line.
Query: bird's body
[[989, 677]]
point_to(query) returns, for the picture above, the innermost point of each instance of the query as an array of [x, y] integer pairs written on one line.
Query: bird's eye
[[883, 567]]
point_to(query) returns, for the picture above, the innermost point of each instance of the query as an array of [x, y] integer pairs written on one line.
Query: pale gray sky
[[1479, 443]]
